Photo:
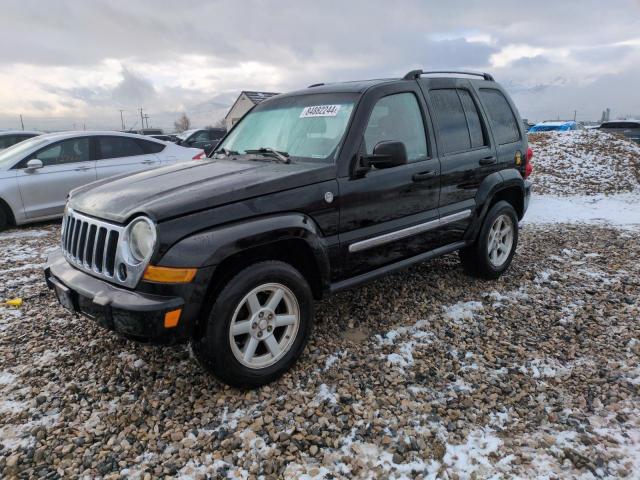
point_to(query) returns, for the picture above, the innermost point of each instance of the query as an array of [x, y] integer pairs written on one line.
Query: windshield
[[304, 126], [12, 154], [186, 134]]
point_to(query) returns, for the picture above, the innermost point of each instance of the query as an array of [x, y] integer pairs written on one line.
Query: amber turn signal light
[[169, 274], [171, 318]]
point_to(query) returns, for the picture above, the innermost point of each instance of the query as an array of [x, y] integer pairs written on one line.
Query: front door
[[388, 214], [66, 165], [117, 155]]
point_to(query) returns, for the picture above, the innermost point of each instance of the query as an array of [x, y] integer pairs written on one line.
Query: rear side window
[[397, 118], [502, 118], [115, 147], [7, 140], [476, 133], [151, 147], [451, 121]]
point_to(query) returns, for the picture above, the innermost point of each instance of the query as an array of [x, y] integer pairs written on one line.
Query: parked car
[[11, 137], [312, 192], [554, 127], [166, 138], [37, 174], [628, 128], [204, 138]]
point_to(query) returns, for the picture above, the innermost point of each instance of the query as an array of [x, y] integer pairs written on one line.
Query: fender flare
[[490, 186], [211, 247]]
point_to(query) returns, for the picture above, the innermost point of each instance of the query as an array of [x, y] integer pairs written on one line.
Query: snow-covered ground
[[619, 210]]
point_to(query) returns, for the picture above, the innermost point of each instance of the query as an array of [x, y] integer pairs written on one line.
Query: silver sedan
[[37, 174]]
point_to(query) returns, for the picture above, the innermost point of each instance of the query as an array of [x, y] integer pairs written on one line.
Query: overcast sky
[[79, 62]]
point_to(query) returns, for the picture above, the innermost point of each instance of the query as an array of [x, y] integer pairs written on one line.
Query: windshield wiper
[[226, 152], [282, 157]]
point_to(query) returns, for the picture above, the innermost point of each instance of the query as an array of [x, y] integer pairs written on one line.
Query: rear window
[[151, 147], [505, 126]]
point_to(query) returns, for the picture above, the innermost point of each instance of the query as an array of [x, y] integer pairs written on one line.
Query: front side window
[[397, 118], [304, 126], [68, 151], [202, 136], [7, 140], [116, 147], [502, 118]]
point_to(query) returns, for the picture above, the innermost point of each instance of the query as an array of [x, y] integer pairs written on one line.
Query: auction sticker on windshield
[[320, 111]]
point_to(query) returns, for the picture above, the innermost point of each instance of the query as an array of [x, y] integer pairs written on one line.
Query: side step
[[394, 267]]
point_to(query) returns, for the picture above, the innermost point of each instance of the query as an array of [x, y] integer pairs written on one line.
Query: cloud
[[82, 61]]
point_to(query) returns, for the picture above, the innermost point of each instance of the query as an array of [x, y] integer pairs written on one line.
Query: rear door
[[466, 150], [387, 214], [67, 164], [119, 154]]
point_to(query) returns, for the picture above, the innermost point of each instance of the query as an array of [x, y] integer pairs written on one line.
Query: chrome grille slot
[[91, 244]]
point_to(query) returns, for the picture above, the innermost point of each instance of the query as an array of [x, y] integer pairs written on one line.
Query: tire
[[4, 218], [256, 325], [479, 260]]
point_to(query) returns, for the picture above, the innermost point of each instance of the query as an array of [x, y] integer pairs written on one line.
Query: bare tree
[[220, 123], [183, 123]]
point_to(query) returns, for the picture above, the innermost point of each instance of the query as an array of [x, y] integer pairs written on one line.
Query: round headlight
[[142, 239]]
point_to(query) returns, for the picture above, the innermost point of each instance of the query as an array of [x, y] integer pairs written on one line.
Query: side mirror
[[33, 165], [386, 155]]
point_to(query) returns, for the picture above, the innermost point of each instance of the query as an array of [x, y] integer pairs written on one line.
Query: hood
[[187, 187]]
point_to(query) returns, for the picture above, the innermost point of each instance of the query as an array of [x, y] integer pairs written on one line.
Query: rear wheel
[[491, 254], [4, 218], [258, 326]]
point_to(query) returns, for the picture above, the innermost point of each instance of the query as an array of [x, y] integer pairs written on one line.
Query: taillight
[[528, 166], [200, 156]]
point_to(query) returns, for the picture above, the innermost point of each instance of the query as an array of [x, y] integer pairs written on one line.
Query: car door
[[467, 154], [120, 154], [66, 165], [388, 214]]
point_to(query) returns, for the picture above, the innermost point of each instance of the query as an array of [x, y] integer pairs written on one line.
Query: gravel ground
[[584, 162], [422, 374]]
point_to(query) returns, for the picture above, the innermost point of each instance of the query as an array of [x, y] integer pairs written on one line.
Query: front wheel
[[258, 325], [491, 254]]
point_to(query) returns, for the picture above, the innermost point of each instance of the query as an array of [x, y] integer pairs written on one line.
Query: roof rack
[[415, 74], [315, 85]]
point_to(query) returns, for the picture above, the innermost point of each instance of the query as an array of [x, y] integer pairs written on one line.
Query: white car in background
[[9, 138], [37, 174]]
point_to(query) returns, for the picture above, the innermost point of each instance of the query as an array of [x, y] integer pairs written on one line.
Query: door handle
[[488, 160], [423, 176], [147, 162], [82, 169]]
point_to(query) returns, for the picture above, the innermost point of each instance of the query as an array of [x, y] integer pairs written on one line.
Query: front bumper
[[132, 313]]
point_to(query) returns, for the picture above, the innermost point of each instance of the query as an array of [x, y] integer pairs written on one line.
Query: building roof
[[257, 97]]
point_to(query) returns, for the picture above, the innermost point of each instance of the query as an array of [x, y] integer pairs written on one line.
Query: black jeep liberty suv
[[312, 192]]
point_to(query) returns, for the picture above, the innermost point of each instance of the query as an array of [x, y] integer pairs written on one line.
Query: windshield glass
[[304, 126], [12, 154]]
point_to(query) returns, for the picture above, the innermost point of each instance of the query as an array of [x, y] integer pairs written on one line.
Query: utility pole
[[122, 120], [146, 117], [575, 114], [21, 122], [141, 118]]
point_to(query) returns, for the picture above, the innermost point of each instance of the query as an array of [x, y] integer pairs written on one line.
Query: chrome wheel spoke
[[275, 299], [273, 346], [253, 303], [284, 320], [250, 349], [240, 328]]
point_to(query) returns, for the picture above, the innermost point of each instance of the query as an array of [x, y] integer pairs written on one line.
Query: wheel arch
[[5, 207], [507, 185]]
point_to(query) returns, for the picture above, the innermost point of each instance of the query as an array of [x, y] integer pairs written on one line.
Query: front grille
[[90, 244]]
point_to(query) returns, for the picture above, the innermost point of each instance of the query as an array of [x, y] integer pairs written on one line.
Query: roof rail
[[415, 74], [315, 85]]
